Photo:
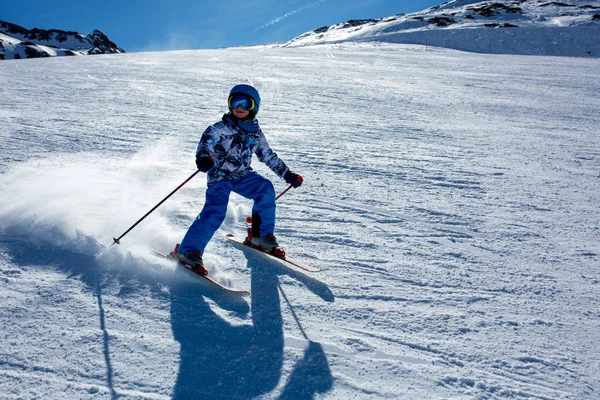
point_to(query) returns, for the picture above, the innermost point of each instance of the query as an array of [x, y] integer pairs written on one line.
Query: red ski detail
[[279, 252], [249, 228], [172, 257], [237, 240]]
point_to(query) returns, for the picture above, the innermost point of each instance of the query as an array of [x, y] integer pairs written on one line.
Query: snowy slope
[[453, 197], [528, 27], [17, 42]]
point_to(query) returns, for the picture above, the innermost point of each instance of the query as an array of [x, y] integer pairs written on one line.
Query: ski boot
[[267, 242], [191, 258]]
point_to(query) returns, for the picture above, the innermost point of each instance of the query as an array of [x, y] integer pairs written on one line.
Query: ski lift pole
[[118, 240]]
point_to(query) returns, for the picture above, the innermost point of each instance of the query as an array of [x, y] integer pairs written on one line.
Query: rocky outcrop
[[17, 42], [534, 27]]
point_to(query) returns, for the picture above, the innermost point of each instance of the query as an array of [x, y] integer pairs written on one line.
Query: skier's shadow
[[219, 360], [87, 269]]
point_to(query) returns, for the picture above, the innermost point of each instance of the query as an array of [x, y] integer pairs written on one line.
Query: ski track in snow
[[452, 197]]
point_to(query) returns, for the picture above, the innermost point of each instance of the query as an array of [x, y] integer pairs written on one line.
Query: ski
[[241, 242], [171, 257]]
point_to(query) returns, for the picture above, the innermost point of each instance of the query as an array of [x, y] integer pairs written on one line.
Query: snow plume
[[77, 203], [289, 14]]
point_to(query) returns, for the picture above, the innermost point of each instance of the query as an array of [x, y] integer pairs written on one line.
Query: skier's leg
[[261, 190], [209, 220]]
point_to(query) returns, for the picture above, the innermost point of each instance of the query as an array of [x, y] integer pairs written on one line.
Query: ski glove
[[204, 163], [293, 179]]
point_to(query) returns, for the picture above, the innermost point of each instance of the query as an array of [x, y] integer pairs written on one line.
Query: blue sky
[[146, 25]]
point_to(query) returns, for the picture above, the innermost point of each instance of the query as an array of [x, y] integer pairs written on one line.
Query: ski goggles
[[247, 103]]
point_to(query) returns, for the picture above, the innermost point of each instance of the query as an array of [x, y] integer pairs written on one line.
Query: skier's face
[[240, 112]]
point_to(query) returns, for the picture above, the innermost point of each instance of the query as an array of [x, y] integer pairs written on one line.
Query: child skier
[[225, 153]]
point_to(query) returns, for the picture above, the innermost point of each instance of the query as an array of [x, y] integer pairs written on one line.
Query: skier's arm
[[266, 155], [206, 147], [206, 150]]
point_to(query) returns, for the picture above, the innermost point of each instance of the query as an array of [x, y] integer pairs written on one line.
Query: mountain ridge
[[523, 27], [17, 42]]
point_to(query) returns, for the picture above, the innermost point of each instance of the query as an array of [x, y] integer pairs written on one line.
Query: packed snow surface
[[453, 198]]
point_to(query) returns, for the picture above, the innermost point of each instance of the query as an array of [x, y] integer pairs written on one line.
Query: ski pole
[[118, 240], [284, 192], [288, 188]]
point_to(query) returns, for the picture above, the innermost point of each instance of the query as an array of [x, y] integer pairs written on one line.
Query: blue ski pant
[[251, 186]]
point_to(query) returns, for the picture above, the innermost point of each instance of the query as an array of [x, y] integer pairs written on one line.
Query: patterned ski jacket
[[231, 143]]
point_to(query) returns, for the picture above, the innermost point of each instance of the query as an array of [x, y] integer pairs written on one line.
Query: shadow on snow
[[221, 361], [217, 359]]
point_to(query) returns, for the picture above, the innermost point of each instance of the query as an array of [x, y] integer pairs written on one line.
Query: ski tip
[[308, 269]]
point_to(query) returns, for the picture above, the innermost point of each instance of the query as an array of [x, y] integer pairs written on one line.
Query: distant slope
[[527, 27], [17, 42]]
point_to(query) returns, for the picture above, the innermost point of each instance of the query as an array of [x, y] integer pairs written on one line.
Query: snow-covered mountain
[[528, 27], [17, 42]]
